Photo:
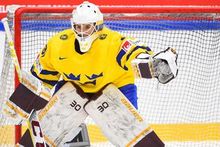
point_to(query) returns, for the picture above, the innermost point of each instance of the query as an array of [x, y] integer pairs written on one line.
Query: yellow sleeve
[[43, 68], [130, 48]]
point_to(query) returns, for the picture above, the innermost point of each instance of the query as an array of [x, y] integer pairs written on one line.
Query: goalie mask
[[87, 21]]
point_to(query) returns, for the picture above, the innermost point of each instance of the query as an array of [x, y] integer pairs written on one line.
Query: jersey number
[[103, 106], [76, 106]]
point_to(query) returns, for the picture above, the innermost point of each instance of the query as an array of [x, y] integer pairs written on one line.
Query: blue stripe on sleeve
[[47, 72], [119, 57], [137, 47], [50, 82]]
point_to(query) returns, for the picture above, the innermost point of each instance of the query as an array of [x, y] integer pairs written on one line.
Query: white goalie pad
[[62, 114], [117, 117]]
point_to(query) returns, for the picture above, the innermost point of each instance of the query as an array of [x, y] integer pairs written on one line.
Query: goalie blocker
[[59, 118]]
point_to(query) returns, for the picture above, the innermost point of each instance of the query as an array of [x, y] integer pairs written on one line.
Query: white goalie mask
[[87, 21]]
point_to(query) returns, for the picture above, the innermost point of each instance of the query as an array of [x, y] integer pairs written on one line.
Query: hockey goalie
[[91, 69]]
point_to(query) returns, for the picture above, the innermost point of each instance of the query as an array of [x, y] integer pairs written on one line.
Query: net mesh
[[7, 85], [184, 112]]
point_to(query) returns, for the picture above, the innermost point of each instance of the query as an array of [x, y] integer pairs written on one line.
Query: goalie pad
[[63, 113], [117, 117]]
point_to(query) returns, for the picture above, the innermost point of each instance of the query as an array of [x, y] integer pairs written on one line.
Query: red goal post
[[202, 14]]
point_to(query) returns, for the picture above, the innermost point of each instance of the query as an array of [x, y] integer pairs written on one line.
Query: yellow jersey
[[107, 61]]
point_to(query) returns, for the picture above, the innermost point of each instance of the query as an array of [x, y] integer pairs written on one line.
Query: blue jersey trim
[[2, 27], [120, 56], [47, 72], [50, 82], [130, 92]]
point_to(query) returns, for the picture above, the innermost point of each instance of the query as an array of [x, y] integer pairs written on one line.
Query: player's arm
[[162, 66], [129, 49], [43, 68]]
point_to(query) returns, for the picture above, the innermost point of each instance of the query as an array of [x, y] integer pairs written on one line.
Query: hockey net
[[184, 112]]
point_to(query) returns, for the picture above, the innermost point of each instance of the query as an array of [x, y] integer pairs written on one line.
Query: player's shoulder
[[63, 35], [117, 37], [110, 34]]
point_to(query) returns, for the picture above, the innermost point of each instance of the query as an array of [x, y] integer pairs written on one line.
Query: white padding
[[117, 118], [63, 113], [170, 56]]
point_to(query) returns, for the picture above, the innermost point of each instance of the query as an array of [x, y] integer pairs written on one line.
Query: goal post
[[184, 112]]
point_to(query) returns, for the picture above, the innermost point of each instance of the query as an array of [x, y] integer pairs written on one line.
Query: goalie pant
[[118, 119]]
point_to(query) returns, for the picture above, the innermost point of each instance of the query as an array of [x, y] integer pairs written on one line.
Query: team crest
[[71, 76], [102, 36], [63, 37], [94, 76]]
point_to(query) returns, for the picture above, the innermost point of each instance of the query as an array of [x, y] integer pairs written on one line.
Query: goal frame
[[104, 9]]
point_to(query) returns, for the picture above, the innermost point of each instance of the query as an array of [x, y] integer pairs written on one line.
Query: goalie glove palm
[[162, 66], [162, 71], [165, 65]]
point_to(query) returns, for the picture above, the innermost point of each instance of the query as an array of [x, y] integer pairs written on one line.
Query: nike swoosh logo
[[62, 58]]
